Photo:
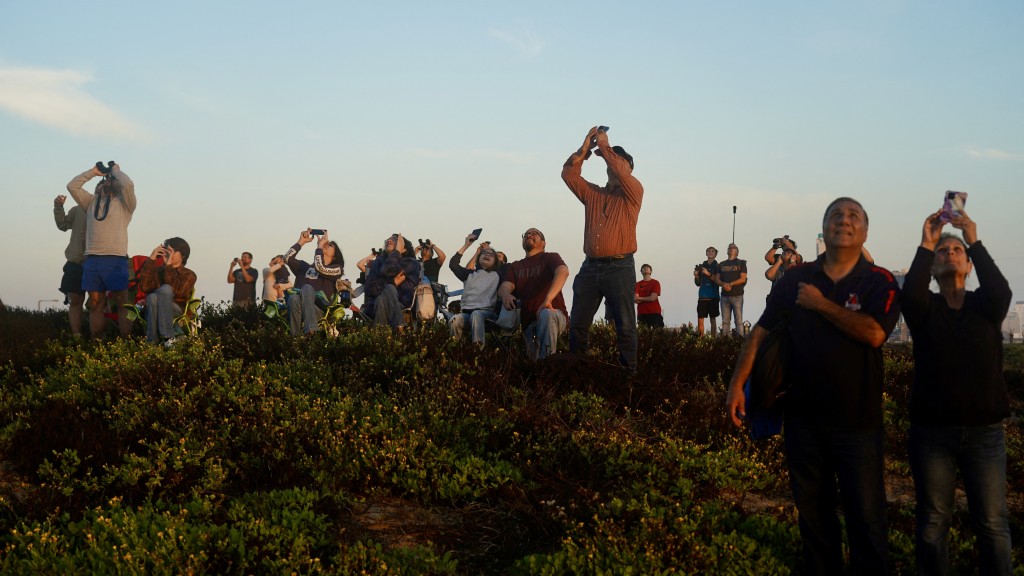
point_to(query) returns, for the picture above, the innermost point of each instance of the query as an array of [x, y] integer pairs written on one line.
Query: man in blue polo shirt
[[838, 311]]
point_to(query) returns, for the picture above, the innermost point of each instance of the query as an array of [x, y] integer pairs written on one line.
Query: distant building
[[901, 333], [1012, 326]]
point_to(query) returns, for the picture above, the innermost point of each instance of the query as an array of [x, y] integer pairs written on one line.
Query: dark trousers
[[979, 453], [614, 281], [829, 466]]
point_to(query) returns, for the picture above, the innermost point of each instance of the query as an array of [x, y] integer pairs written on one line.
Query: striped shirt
[[611, 212]]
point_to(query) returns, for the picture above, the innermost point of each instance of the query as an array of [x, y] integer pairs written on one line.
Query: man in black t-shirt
[[837, 312], [425, 253], [244, 280], [732, 277]]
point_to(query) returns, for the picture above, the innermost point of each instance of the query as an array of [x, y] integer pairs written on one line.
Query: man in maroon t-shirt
[[534, 284]]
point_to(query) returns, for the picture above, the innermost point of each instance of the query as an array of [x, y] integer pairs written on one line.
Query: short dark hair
[[181, 247], [844, 199]]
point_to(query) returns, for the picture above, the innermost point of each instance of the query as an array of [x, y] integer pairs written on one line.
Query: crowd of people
[[837, 311]]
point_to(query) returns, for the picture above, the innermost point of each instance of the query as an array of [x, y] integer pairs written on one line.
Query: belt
[[607, 259]]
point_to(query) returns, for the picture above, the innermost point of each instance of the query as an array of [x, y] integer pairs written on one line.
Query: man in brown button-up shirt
[[609, 241]]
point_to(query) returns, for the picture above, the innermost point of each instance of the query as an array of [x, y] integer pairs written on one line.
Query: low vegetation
[[245, 450]]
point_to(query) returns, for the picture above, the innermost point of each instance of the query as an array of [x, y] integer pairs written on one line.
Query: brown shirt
[[181, 280], [611, 212]]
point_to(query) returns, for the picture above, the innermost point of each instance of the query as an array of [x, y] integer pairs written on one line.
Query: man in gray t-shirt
[[244, 280], [732, 275]]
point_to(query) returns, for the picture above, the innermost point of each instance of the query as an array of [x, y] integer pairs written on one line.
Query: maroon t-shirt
[[532, 277]]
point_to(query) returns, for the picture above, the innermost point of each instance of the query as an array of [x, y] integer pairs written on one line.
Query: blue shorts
[[105, 273]]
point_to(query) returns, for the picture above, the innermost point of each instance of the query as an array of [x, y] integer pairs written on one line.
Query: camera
[[426, 244], [698, 267], [777, 242]]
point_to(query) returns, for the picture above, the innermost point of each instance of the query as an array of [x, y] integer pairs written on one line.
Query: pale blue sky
[[245, 122]]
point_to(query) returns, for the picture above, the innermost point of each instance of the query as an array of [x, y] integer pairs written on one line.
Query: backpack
[[423, 301]]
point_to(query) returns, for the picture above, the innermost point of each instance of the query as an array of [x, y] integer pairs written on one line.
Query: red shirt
[[646, 288], [532, 277]]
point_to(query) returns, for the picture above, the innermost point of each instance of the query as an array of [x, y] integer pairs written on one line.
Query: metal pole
[[733, 224]]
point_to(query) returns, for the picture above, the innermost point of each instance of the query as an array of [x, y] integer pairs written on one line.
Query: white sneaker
[[170, 342]]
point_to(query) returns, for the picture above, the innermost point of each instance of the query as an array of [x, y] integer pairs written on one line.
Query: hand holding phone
[[476, 233]]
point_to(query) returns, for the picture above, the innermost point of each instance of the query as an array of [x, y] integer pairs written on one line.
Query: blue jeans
[[477, 323], [303, 313], [615, 282], [160, 313], [542, 335], [829, 465], [979, 452], [732, 305]]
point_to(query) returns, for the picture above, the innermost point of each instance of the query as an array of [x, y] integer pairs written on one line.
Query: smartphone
[[952, 204], [602, 128], [317, 232], [476, 233]]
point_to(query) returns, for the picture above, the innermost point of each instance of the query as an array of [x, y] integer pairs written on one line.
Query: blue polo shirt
[[835, 380]]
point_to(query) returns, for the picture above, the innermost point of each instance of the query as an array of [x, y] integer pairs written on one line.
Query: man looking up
[[108, 212], [732, 277], [244, 280], [837, 311], [536, 281], [71, 282], [609, 241]]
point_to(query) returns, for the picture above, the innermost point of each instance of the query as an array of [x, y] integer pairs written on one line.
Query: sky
[[243, 123]]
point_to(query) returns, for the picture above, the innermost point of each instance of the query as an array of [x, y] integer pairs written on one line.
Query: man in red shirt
[[534, 285], [648, 308]]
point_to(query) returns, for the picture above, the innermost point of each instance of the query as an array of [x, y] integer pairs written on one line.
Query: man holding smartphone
[[609, 241], [244, 279]]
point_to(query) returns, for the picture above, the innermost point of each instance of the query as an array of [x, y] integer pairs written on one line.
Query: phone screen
[[476, 233]]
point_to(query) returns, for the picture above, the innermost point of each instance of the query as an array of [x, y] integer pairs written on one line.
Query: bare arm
[[441, 256], [736, 401], [561, 275], [505, 295]]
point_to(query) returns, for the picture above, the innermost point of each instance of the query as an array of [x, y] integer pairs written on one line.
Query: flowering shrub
[[244, 450]]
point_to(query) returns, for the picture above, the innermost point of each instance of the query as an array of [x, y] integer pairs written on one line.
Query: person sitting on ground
[[168, 285], [431, 264], [479, 293], [536, 282], [397, 251], [320, 276], [780, 263], [276, 280], [388, 310]]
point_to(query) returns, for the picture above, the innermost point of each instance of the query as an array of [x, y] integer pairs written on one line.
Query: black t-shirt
[[432, 269], [244, 290], [729, 271], [834, 379]]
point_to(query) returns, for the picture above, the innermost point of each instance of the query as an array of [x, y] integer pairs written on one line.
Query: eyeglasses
[[529, 233]]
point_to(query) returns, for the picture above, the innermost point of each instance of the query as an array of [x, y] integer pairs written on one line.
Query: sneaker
[[170, 342]]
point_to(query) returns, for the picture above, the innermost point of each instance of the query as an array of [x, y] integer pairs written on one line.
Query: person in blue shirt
[[705, 276]]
